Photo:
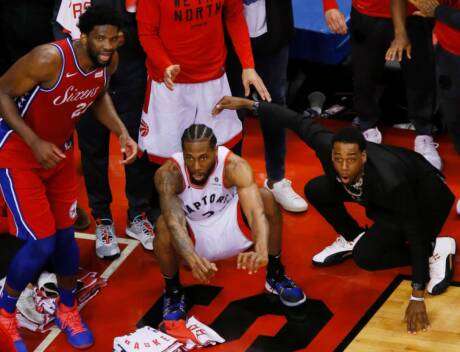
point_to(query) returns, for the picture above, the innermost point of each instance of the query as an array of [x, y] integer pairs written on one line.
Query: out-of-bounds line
[[131, 245]]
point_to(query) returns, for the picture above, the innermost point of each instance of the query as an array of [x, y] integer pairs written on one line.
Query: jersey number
[[81, 109]]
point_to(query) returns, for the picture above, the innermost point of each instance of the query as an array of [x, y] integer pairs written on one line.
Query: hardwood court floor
[[342, 298]]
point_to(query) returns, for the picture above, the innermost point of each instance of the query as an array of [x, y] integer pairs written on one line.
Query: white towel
[[69, 13], [146, 339]]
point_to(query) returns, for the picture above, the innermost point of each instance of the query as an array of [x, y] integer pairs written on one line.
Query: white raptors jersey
[[204, 202]]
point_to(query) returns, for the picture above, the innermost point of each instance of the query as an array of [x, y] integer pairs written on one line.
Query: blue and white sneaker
[[70, 322], [289, 293], [174, 305]]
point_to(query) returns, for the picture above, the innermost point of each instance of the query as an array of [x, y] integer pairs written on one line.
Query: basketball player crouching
[[201, 191]]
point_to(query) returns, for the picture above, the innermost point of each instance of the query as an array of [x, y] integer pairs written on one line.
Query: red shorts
[[40, 201]]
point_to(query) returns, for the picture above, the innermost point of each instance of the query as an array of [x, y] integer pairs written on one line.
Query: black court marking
[[301, 326], [373, 309]]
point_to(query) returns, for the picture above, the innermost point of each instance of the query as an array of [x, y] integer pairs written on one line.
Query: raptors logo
[[144, 128]]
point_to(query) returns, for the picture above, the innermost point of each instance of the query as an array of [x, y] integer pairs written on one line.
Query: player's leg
[[24, 194], [277, 282], [328, 198], [62, 194], [174, 306]]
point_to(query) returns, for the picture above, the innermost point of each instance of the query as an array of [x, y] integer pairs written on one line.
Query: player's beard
[[93, 55], [204, 180]]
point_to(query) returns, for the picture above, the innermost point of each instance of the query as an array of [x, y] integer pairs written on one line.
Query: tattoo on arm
[[169, 183]]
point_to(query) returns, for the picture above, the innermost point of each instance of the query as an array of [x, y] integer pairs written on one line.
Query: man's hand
[[426, 8], [128, 149], [336, 21], [400, 44], [170, 75], [231, 103], [252, 261], [46, 153], [251, 78], [416, 317], [202, 269]]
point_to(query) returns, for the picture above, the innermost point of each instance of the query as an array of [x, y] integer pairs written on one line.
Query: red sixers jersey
[[52, 113], [448, 37]]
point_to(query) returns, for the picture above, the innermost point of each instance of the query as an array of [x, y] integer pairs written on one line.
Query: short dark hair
[[99, 15], [197, 132], [350, 135]]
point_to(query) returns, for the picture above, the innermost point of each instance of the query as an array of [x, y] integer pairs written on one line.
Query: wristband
[[418, 299]]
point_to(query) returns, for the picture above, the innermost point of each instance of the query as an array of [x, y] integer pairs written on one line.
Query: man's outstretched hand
[[232, 103]]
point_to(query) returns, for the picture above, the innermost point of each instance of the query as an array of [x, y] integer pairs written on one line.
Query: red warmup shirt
[[190, 33], [448, 37], [52, 113], [373, 8]]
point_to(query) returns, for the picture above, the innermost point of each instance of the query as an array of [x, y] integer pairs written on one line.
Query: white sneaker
[[373, 135], [441, 265], [425, 145], [458, 207], [286, 196], [337, 252], [141, 229], [106, 240]]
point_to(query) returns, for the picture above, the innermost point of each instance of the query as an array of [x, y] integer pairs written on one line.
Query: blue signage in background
[[313, 40]]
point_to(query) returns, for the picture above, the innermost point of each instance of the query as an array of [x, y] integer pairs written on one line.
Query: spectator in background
[[127, 89], [372, 34], [447, 30], [270, 24], [184, 43]]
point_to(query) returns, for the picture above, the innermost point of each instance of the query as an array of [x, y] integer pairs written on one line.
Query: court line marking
[[131, 245]]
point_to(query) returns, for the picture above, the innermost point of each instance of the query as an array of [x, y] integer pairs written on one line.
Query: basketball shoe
[[70, 322]]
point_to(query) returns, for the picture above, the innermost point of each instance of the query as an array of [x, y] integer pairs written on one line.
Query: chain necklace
[[355, 190]]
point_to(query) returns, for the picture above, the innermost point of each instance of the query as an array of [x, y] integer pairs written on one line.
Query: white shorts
[[168, 113], [221, 236]]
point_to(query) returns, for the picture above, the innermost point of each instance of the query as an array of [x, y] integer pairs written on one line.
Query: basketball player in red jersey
[[42, 97], [202, 192]]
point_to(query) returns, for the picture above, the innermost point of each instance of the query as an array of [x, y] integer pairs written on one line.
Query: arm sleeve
[[448, 15], [419, 240], [313, 134], [148, 19], [238, 32], [330, 4]]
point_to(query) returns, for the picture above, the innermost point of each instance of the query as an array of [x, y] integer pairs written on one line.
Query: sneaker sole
[[134, 236], [109, 257], [334, 259], [444, 284], [269, 289], [292, 210]]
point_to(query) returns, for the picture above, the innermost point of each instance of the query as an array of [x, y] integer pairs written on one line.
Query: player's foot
[[441, 265], [174, 305], [141, 229], [106, 241], [373, 135], [425, 145], [286, 196], [70, 322], [83, 221], [289, 293], [458, 207], [9, 332], [336, 253]]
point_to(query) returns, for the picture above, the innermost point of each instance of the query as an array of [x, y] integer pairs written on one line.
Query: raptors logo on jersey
[[53, 113], [210, 199]]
